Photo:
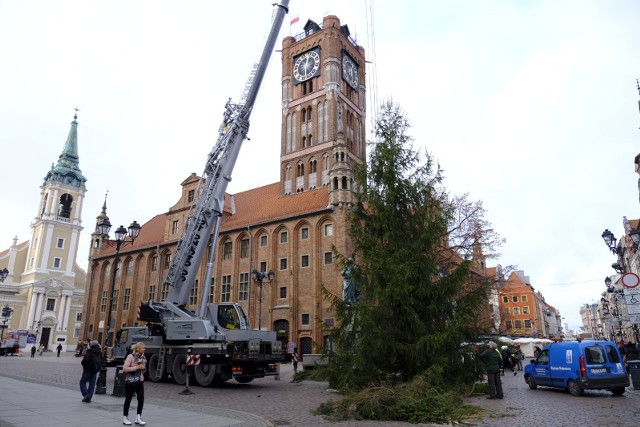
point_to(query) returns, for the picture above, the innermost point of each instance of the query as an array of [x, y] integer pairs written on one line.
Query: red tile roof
[[256, 206], [264, 204], [20, 246]]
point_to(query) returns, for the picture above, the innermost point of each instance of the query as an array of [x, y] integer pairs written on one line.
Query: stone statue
[[350, 293]]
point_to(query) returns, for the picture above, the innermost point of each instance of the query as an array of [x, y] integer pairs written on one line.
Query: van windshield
[[612, 354]]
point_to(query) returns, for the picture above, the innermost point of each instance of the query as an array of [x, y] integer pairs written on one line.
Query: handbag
[[132, 377]]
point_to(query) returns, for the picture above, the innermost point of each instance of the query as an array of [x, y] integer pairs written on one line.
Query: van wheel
[[532, 383], [618, 391], [575, 389]]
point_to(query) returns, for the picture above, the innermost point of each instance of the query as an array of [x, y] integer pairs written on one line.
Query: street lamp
[[103, 229], [635, 236], [614, 312], [610, 240], [619, 250], [607, 283], [36, 326], [6, 310], [259, 277], [6, 314], [3, 274]]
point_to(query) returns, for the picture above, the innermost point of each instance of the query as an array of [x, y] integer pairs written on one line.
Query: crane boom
[[205, 217], [219, 335]]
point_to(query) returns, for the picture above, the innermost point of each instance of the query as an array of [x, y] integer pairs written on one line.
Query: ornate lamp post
[[619, 250], [259, 277], [6, 310], [609, 240], [36, 326], [121, 233], [6, 314], [613, 311]]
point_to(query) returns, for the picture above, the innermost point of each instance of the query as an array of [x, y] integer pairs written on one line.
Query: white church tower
[[46, 283]]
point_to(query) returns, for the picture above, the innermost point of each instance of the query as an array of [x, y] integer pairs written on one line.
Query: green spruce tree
[[417, 297]]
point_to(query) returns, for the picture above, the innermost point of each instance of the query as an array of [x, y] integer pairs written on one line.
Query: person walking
[[33, 351], [492, 360], [508, 360], [134, 366], [91, 365], [40, 349], [59, 349], [294, 360], [519, 355]]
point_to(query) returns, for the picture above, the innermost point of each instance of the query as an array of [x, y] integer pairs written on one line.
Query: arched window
[[44, 204], [294, 132], [288, 146], [320, 122]]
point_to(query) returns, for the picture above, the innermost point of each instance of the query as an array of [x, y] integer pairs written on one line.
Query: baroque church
[[44, 286], [290, 227]]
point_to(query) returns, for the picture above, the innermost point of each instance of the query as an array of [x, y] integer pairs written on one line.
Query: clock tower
[[323, 110]]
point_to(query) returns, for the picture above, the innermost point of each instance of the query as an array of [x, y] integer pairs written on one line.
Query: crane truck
[[217, 337]]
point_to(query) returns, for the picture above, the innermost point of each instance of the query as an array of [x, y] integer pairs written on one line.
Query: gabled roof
[[515, 281]]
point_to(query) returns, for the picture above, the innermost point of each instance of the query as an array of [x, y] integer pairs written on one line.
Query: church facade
[[45, 287], [293, 227]]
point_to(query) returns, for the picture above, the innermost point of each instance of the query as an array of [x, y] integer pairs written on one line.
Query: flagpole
[[293, 21]]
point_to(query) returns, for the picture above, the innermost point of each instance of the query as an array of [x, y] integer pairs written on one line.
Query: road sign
[[630, 280], [634, 318]]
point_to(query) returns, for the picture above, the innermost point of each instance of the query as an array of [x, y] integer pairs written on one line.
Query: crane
[[217, 333]]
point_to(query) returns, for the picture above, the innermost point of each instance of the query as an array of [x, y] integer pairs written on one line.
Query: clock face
[[350, 71], [306, 65]]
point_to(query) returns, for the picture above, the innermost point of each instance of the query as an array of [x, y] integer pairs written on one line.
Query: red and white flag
[[294, 20]]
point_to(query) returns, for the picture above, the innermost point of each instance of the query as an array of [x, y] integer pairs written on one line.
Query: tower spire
[[103, 215], [67, 169]]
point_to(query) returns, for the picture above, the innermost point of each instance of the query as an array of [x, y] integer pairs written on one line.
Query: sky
[[529, 106]]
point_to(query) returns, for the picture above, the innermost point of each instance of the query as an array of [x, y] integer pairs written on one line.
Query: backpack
[[92, 361], [96, 362]]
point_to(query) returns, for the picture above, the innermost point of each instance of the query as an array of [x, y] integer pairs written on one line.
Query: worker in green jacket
[[493, 363]]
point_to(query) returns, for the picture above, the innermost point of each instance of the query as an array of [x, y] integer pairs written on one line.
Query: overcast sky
[[529, 106]]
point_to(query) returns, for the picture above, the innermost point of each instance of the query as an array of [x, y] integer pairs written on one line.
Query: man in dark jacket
[[493, 360], [91, 365]]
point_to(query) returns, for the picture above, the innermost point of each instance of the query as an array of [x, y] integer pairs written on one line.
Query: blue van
[[579, 366]]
